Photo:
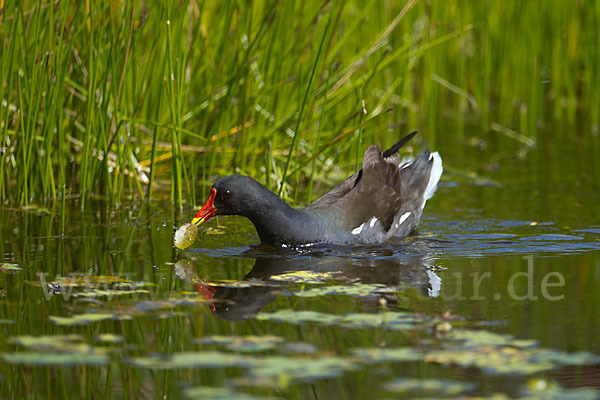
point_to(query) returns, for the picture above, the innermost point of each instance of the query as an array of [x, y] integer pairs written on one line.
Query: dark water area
[[496, 294]]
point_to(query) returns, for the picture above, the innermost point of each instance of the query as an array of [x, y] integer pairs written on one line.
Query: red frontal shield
[[207, 211]]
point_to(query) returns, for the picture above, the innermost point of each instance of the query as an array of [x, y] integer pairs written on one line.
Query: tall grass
[[126, 99]]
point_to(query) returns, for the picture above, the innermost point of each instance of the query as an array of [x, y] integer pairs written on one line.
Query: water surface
[[497, 293]]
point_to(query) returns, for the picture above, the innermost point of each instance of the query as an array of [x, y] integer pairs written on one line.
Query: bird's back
[[384, 199]]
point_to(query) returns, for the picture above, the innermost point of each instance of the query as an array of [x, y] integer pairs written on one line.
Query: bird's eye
[[226, 194]]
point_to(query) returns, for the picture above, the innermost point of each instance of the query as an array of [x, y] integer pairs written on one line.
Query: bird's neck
[[279, 224]]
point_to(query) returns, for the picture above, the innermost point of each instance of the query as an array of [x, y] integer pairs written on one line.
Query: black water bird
[[384, 200]]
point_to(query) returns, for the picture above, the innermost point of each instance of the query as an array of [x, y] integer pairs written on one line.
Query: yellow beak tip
[[197, 221]]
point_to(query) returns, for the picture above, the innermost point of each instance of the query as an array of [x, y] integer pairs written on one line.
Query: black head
[[235, 195]]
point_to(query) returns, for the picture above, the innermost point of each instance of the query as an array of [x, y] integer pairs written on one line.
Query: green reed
[[121, 99]]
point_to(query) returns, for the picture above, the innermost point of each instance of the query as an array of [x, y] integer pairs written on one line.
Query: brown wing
[[373, 191]]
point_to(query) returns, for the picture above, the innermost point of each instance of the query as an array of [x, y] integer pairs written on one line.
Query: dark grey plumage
[[381, 201]]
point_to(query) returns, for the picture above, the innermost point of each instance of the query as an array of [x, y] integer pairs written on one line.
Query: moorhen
[[383, 200]]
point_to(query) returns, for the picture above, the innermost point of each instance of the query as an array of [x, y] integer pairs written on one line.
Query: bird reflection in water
[[244, 299]]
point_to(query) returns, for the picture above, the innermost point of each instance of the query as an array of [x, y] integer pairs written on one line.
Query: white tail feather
[[434, 176]]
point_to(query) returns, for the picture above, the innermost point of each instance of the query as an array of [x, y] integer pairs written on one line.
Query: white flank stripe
[[403, 217], [358, 229], [406, 162], [373, 221]]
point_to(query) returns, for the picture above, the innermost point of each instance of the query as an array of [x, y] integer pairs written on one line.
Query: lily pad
[[109, 338], [56, 359], [150, 305], [357, 289], [11, 268], [284, 369], [384, 354], [245, 344], [299, 317], [388, 320], [503, 354], [36, 209], [270, 370], [191, 359], [59, 350], [307, 276], [441, 387], [93, 281], [84, 319], [493, 353], [217, 393], [300, 348], [485, 338], [562, 358], [89, 286], [499, 361], [52, 342], [109, 293]]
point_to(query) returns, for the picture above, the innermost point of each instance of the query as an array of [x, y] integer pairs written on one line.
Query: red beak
[[207, 211], [208, 292]]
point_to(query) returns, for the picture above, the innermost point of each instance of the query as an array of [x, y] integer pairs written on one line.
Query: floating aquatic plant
[[10, 267], [185, 236]]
